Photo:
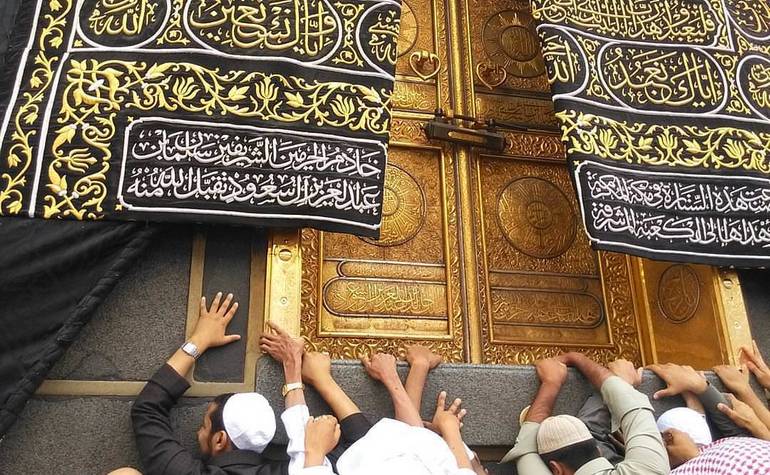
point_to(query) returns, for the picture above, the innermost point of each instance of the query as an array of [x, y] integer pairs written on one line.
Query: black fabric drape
[[53, 275]]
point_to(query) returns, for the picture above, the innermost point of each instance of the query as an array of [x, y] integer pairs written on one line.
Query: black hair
[[574, 456], [217, 418]]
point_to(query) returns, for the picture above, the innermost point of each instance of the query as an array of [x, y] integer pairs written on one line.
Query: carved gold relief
[[491, 76], [414, 96], [403, 208], [679, 293], [423, 31], [424, 64], [510, 40], [517, 234], [537, 146], [536, 217], [542, 289], [409, 29], [521, 110], [681, 313], [545, 308], [506, 38]]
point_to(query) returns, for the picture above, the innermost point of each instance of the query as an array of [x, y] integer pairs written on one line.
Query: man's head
[[236, 421], [688, 421], [565, 444]]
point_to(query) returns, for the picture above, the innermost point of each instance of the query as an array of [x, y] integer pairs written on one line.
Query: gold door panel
[[540, 281], [421, 68], [505, 46], [361, 294], [682, 303]]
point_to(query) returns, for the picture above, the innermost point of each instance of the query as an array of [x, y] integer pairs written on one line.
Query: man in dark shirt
[[235, 428]]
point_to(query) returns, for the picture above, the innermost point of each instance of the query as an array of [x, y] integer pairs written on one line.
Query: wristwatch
[[287, 388], [191, 349]]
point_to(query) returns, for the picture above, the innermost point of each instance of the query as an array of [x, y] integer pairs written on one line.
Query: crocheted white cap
[[688, 421], [249, 421], [561, 431]]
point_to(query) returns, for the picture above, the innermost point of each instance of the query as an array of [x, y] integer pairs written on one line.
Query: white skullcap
[[249, 421], [688, 421], [561, 431]]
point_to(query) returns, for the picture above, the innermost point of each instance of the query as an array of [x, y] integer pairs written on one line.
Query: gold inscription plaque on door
[[482, 255]]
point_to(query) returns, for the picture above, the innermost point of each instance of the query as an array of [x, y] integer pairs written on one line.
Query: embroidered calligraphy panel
[[664, 107], [270, 112]]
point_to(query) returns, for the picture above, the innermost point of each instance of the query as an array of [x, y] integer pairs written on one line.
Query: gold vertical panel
[[360, 295], [682, 313], [283, 277], [543, 289], [735, 319]]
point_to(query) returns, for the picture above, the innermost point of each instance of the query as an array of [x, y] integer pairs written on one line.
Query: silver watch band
[[191, 349]]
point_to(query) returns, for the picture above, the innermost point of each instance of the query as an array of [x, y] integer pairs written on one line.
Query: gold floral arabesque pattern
[[174, 34], [653, 144], [50, 44], [348, 54], [96, 91]]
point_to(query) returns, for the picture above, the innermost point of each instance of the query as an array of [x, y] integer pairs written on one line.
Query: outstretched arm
[[752, 358], [552, 374], [737, 382], [209, 332], [448, 421], [683, 380], [744, 416], [321, 436], [382, 367], [156, 442], [595, 373], [317, 372], [288, 351], [421, 360]]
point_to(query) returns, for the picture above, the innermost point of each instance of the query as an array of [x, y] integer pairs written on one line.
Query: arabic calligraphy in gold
[[306, 29], [125, 18], [95, 91]]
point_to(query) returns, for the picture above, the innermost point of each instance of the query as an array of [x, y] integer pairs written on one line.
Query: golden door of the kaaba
[[482, 256]]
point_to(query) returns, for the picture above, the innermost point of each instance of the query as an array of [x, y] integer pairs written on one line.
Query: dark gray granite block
[[141, 322], [493, 395]]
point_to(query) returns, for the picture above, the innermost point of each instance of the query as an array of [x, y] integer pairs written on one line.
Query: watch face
[[190, 349]]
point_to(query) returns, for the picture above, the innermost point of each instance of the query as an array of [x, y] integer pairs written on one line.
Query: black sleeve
[[721, 425], [158, 447]]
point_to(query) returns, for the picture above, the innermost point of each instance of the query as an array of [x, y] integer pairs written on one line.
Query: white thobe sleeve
[[294, 421]]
